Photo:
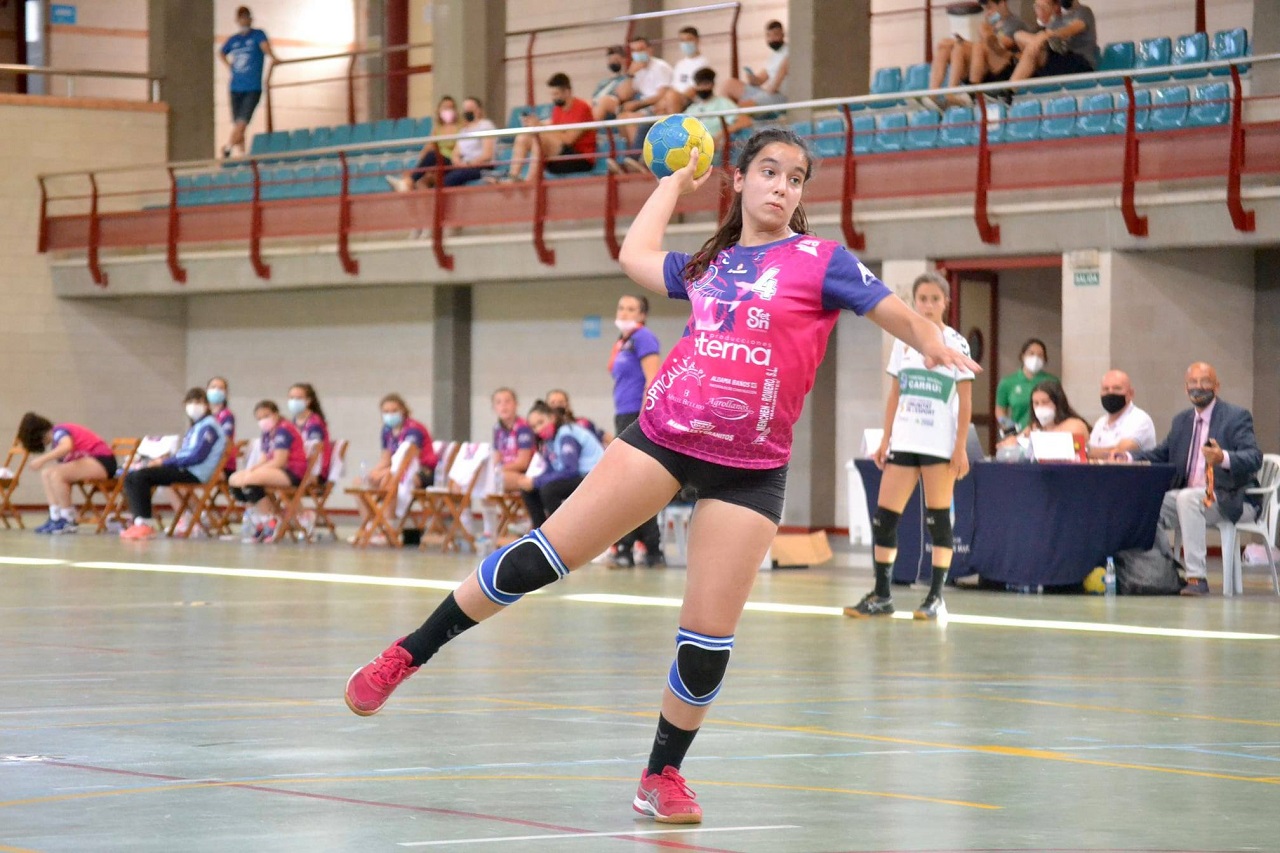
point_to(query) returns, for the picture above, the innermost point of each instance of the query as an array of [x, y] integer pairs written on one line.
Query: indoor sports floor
[[187, 696]]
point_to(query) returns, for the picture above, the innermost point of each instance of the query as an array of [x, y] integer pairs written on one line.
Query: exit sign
[[1087, 278]]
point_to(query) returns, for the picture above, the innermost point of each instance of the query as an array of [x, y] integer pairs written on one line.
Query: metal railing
[[72, 74], [353, 58], [466, 206]]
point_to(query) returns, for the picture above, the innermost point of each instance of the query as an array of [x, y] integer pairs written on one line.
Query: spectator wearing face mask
[[605, 99], [195, 462], [634, 364], [570, 451], [216, 393], [1053, 413], [1013, 394], [282, 461], [705, 100], [446, 123], [398, 428], [1125, 427], [558, 398], [681, 93], [1065, 43], [764, 87], [563, 152], [308, 417], [651, 79]]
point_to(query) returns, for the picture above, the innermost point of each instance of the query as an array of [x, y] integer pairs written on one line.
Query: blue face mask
[[392, 419], [688, 48], [994, 18], [296, 406], [216, 396], [639, 56]]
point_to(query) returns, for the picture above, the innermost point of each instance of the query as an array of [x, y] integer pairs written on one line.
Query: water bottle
[[364, 474], [1109, 578]]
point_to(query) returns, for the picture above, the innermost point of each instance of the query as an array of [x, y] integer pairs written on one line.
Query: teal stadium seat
[[997, 122], [886, 81], [1153, 53], [958, 128], [828, 139], [368, 178], [322, 137], [1141, 111], [917, 78], [802, 129], [1169, 106], [300, 184], [1096, 112], [423, 127], [275, 184], [361, 134], [891, 133], [384, 130], [1023, 122], [269, 143], [923, 130], [405, 128], [328, 180], [299, 140], [864, 134], [1229, 44], [1189, 49], [340, 135], [1210, 105], [1059, 120], [1116, 57]]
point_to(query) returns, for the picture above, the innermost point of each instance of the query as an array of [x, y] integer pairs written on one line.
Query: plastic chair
[[269, 143], [362, 133], [923, 132], [1116, 57], [864, 134], [1154, 53], [891, 133], [300, 184], [997, 121], [1210, 105], [1095, 114], [958, 128], [1059, 121], [423, 128], [340, 135], [1169, 108], [1264, 525], [828, 137], [1023, 124], [328, 180], [1142, 111], [275, 183], [384, 130], [1189, 49], [405, 128], [1229, 44], [299, 140], [887, 81], [917, 78]]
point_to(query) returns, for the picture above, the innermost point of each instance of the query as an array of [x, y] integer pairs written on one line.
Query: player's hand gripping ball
[[669, 144]]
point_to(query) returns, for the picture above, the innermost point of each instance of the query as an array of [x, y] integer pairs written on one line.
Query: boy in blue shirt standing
[[243, 55]]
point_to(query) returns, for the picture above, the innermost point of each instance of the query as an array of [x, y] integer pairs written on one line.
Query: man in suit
[[1212, 432]]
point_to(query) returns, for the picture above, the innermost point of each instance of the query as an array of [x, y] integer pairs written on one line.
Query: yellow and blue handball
[[669, 144]]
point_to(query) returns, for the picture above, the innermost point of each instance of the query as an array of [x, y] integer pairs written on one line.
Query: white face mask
[[265, 424], [195, 411], [626, 327], [1033, 364], [1044, 414]]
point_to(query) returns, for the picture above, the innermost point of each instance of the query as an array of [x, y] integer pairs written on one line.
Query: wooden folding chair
[[286, 501], [511, 510], [451, 500], [424, 510], [8, 485], [102, 500], [380, 504], [316, 501], [199, 500]]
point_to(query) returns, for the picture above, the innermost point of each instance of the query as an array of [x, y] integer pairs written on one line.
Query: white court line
[[270, 574], [591, 835], [31, 561], [952, 618]]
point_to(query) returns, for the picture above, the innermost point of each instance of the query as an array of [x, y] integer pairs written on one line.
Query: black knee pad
[[939, 523], [527, 564], [884, 528], [698, 670]]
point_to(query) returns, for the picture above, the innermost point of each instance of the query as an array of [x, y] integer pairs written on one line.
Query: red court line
[[673, 845]]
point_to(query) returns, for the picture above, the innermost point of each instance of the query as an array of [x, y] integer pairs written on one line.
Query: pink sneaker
[[138, 532], [666, 798], [372, 684]]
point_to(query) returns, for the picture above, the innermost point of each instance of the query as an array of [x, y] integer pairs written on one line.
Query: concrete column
[[1265, 35], [469, 42], [1088, 306], [830, 48], [816, 469], [179, 49], [451, 363], [1266, 350], [652, 29]]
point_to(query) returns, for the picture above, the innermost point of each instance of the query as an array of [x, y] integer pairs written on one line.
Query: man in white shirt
[[1125, 428], [679, 96], [764, 87], [650, 81]]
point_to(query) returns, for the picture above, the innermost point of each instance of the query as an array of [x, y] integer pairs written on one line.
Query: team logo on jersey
[[683, 369], [808, 247], [729, 408], [742, 353], [716, 298]]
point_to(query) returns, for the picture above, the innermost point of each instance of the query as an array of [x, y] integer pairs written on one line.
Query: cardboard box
[[797, 550]]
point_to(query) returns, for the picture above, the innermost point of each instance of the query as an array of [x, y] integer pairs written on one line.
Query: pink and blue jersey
[[415, 433], [508, 442], [733, 387], [84, 442], [315, 429], [227, 421], [285, 436], [627, 371]]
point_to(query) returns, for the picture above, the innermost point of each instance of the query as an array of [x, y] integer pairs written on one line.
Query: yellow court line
[[287, 786], [6, 849], [1111, 709]]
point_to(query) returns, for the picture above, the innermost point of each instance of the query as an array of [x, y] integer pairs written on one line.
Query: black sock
[[939, 578], [669, 746], [883, 570], [442, 626]]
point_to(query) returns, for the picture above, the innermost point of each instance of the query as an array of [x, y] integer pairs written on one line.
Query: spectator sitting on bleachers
[[988, 60], [707, 101], [513, 442], [446, 123], [282, 461], [195, 461], [680, 93], [1066, 43], [308, 417], [605, 100], [558, 398], [764, 87], [570, 451], [1125, 427], [81, 455], [216, 394], [471, 157], [243, 55], [650, 80], [572, 150]]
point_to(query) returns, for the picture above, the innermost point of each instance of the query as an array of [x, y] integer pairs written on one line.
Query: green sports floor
[[187, 696]]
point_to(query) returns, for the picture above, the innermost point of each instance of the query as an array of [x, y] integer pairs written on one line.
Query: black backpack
[[1147, 573]]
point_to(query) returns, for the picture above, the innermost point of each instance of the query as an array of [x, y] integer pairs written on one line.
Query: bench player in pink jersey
[[80, 455], [718, 417]]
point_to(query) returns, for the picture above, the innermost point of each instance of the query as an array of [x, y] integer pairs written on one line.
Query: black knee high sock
[[442, 626], [669, 746], [883, 571], [939, 578]]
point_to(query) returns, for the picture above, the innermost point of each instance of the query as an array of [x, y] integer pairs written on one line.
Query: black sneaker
[[871, 605], [931, 608], [654, 560], [624, 560]]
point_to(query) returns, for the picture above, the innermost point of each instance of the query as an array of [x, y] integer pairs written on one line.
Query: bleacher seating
[[1189, 49], [1153, 53]]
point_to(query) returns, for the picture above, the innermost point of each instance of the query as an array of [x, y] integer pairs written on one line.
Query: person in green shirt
[[1013, 394]]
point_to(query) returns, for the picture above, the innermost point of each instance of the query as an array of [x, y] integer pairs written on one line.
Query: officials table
[[1027, 524]]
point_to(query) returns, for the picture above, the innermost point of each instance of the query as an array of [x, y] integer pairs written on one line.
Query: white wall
[[1030, 307]]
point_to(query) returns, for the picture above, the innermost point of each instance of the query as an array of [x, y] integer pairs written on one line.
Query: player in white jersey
[[926, 423]]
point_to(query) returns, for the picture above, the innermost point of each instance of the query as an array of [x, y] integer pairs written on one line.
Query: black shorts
[[914, 460], [109, 462], [1003, 74], [1057, 64], [578, 163], [243, 104], [761, 490]]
